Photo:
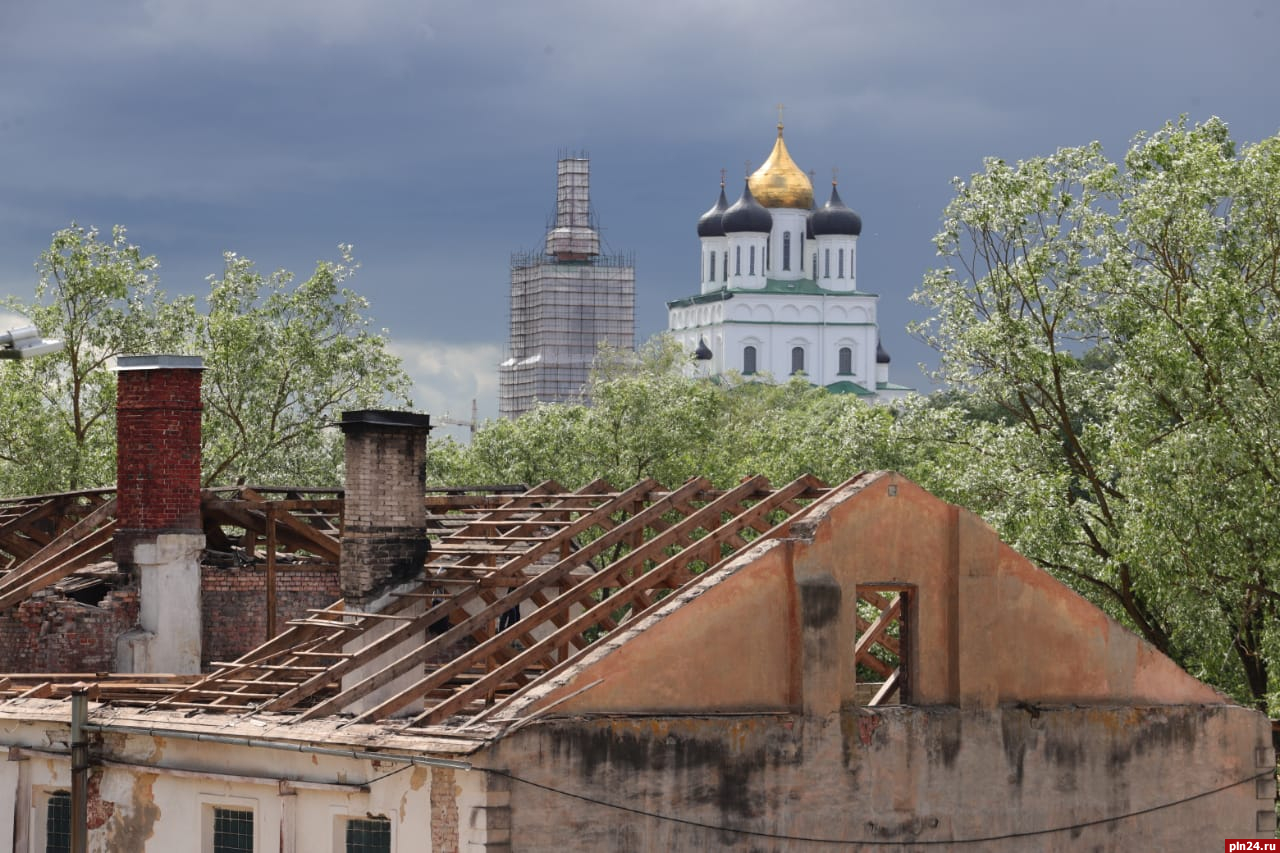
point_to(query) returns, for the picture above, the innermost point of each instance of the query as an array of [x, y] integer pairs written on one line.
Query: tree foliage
[[1117, 325], [282, 359], [651, 417]]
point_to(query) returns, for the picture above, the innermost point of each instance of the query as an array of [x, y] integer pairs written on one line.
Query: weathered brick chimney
[[384, 536], [159, 535]]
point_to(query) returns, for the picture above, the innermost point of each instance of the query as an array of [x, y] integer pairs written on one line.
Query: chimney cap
[[158, 362], [384, 418]]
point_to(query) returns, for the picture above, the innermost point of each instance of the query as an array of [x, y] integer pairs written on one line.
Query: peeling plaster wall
[[896, 774], [146, 809]]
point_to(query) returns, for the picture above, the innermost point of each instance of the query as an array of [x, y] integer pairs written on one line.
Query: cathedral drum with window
[[779, 294]]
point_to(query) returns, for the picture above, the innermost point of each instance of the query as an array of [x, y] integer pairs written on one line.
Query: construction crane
[[471, 424]]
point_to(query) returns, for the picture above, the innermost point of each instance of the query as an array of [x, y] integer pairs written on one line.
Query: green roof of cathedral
[[797, 287]]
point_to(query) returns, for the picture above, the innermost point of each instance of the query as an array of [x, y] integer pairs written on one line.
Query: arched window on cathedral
[[840, 252], [752, 270], [815, 265], [797, 360], [826, 263], [846, 361], [725, 266], [748, 360], [712, 277], [786, 250], [737, 260]]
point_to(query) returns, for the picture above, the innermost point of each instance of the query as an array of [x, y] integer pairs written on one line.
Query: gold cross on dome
[[780, 108]]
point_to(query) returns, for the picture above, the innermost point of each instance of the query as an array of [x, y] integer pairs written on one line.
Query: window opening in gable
[[882, 653]]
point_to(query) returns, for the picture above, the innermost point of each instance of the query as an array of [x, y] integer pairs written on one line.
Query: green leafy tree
[[282, 359], [650, 416], [1111, 330], [99, 295]]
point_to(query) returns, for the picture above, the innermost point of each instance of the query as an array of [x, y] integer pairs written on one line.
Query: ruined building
[[565, 302], [796, 666]]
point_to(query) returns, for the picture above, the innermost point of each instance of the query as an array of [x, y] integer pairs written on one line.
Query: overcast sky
[[426, 132]]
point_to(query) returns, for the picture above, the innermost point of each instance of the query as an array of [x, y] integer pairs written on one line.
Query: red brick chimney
[[159, 535], [384, 518]]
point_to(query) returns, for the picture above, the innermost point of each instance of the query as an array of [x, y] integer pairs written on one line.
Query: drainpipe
[[79, 770]]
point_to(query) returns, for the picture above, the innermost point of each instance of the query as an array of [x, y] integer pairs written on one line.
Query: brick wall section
[[234, 605], [51, 633], [157, 446], [444, 811], [384, 538]]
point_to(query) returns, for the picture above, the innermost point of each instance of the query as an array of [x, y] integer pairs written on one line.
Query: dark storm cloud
[[426, 133]]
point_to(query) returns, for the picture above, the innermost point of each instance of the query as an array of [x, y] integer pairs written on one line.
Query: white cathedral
[[779, 291]]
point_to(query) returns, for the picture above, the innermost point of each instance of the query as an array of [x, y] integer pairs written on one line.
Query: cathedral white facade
[[779, 293]]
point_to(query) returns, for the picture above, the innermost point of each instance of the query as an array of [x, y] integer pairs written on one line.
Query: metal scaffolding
[[565, 303]]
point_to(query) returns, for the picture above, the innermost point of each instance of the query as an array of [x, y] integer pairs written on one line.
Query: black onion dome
[[882, 357], [747, 215], [703, 352], [711, 223], [835, 217]]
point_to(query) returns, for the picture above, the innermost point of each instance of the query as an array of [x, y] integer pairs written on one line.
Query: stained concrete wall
[[155, 794], [1066, 778]]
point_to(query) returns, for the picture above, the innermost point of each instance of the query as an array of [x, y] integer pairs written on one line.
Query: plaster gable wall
[[776, 629], [988, 626], [728, 644]]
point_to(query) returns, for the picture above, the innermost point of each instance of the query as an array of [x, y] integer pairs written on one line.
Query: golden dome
[[779, 182]]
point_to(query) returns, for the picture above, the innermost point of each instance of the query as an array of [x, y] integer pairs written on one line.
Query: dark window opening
[[57, 823], [712, 276], [882, 653], [797, 360], [826, 263], [371, 835], [786, 250], [748, 361], [840, 252], [724, 268], [846, 361], [752, 271], [232, 830], [737, 260]]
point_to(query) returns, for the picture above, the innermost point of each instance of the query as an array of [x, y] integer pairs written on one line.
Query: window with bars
[[57, 823], [232, 830], [368, 835], [786, 250]]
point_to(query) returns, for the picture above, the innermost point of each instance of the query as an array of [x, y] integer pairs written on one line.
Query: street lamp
[[26, 343]]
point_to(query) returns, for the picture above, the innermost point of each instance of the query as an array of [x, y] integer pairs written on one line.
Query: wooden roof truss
[[575, 565]]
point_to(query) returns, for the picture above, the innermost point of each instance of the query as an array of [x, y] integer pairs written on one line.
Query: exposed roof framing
[[577, 564], [447, 650]]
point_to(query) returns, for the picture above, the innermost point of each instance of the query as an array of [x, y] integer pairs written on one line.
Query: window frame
[[209, 805], [797, 357], [750, 366]]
